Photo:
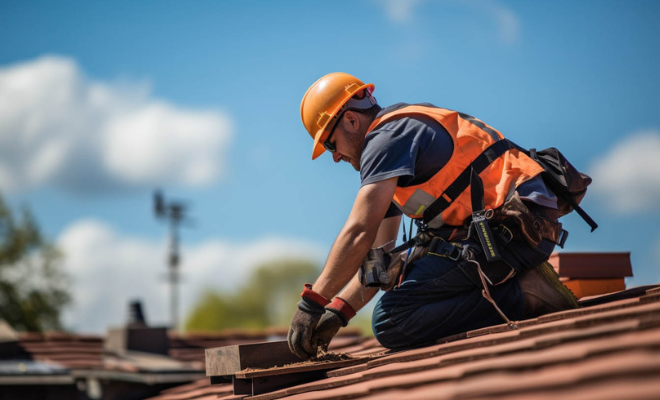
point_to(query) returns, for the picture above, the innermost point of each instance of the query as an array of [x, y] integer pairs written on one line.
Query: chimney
[[137, 335], [135, 315]]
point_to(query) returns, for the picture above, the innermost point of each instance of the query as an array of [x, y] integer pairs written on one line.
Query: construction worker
[[479, 256]]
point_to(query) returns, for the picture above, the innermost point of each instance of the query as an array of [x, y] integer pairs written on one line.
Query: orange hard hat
[[326, 99]]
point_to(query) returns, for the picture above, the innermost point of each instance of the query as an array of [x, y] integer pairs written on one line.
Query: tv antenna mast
[[175, 213]]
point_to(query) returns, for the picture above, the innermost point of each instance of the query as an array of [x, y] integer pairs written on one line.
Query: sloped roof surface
[[605, 351], [345, 342], [67, 350], [86, 352]]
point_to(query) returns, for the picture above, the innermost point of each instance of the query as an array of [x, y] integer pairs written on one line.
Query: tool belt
[[505, 241]]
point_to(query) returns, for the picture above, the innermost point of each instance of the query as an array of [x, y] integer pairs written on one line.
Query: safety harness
[[559, 175]]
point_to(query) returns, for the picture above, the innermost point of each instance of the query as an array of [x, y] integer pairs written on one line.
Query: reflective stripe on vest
[[470, 137]]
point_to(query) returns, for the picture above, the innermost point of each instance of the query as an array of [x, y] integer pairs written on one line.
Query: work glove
[[301, 332], [337, 315], [326, 330]]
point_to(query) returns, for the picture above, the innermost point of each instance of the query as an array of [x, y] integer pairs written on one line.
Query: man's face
[[347, 140]]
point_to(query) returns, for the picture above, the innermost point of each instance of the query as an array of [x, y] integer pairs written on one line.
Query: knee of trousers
[[383, 327]]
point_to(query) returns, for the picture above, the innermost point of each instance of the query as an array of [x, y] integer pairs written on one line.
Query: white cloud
[[627, 177], [60, 128], [110, 269], [508, 26], [399, 11], [505, 20]]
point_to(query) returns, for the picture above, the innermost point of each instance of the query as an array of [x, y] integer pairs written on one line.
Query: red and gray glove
[[306, 333], [338, 315]]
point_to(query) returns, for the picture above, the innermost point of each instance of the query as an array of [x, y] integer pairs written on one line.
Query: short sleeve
[[413, 149], [387, 153]]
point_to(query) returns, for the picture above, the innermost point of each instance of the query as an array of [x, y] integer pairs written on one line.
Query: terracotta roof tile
[[197, 390], [612, 389], [607, 351], [67, 350]]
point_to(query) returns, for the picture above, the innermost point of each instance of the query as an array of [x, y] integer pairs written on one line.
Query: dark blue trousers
[[437, 299]]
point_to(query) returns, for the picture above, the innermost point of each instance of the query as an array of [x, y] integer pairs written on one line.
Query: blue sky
[[105, 101]]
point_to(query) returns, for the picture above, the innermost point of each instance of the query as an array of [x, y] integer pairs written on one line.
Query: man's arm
[[357, 237], [347, 254], [355, 294]]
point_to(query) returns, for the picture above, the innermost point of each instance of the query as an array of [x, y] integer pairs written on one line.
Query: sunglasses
[[331, 146]]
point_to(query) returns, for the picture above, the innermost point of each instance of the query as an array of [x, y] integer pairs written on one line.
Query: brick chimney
[[137, 335]]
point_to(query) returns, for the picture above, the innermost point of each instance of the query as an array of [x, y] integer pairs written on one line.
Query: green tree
[[33, 288], [267, 299]]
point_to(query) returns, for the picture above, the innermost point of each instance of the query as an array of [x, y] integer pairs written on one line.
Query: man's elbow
[[359, 232]]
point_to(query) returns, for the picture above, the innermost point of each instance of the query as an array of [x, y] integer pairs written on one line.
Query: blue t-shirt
[[416, 148]]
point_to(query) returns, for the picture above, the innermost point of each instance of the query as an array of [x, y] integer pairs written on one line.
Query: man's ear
[[352, 120]]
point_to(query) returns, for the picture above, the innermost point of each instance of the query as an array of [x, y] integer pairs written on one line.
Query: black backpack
[[569, 184]]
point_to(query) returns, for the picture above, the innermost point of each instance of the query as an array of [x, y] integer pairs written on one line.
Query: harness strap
[[479, 164], [461, 183], [404, 246], [479, 224], [477, 192]]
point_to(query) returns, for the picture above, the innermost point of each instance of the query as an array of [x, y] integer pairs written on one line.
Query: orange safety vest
[[470, 137]]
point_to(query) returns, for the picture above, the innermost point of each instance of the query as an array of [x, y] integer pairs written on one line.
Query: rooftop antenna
[[175, 213]]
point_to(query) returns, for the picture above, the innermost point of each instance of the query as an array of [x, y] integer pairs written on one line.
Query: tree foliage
[[267, 299], [33, 288]]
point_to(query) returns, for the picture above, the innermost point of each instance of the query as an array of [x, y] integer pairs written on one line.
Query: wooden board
[[229, 360]]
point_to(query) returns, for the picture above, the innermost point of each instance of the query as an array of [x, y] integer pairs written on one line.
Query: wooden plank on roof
[[229, 360], [242, 386]]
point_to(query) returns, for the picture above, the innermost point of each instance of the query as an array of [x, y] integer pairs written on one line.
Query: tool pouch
[[382, 270], [374, 269], [532, 227]]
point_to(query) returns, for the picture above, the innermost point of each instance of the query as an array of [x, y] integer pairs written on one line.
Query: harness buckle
[[440, 247], [504, 233], [562, 238]]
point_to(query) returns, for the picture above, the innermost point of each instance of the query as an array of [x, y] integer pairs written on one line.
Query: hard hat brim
[[318, 146]]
